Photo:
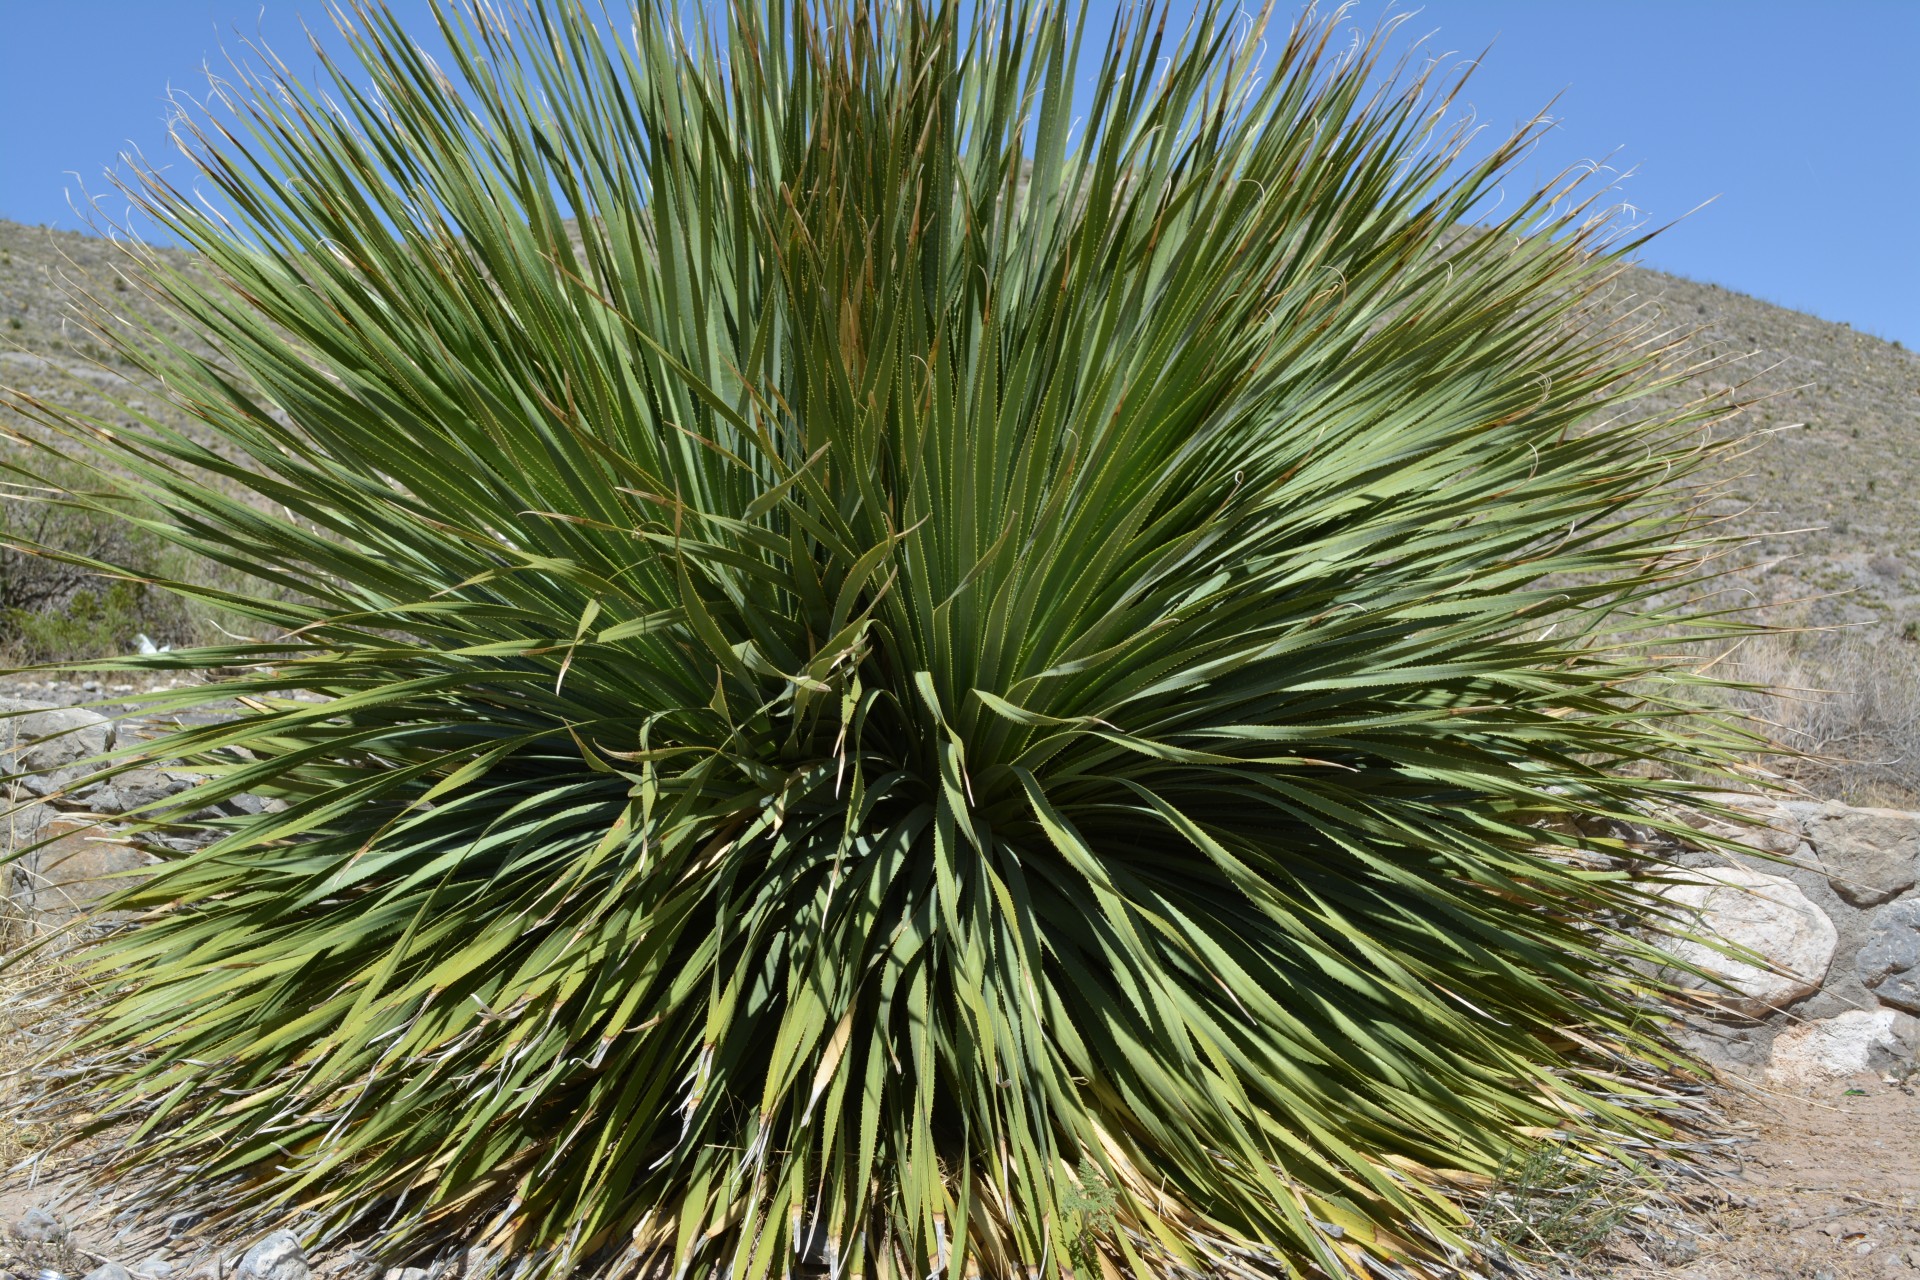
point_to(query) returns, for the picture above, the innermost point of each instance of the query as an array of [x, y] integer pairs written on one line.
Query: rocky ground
[[1816, 1184], [1822, 1183]]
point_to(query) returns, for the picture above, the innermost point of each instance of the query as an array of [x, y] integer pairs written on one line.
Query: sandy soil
[[1825, 1186]]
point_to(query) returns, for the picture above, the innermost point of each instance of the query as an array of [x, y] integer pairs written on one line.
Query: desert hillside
[[1831, 477], [1835, 455]]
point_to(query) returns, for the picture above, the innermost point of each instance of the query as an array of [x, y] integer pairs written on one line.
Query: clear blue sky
[[1802, 119]]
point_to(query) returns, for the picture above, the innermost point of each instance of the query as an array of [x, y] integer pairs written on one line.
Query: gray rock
[[77, 866], [407, 1273], [1869, 855], [37, 1226], [1889, 961], [42, 739], [156, 1267], [109, 1271], [277, 1257], [36, 784], [135, 788], [21, 825]]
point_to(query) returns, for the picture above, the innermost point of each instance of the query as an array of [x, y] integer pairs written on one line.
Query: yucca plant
[[868, 662]]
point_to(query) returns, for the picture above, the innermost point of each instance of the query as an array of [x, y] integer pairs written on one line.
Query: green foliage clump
[[91, 623], [56, 603], [1091, 1214], [854, 632]]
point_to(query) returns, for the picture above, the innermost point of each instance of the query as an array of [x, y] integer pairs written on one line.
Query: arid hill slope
[[1832, 474]]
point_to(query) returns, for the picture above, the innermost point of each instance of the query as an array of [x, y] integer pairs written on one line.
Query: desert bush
[[56, 605], [1845, 701], [887, 667], [1550, 1207]]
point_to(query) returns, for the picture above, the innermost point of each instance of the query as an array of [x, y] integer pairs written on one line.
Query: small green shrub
[[1090, 1206], [1550, 1205], [55, 603], [90, 624]]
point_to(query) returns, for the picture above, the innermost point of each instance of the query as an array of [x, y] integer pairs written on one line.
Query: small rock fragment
[[109, 1271], [277, 1257]]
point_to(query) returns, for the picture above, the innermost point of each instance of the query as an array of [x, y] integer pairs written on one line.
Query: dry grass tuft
[[40, 994], [1848, 701], [33, 1015]]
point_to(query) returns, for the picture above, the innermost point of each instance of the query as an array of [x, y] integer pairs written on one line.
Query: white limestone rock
[[1847, 1044], [1767, 915]]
